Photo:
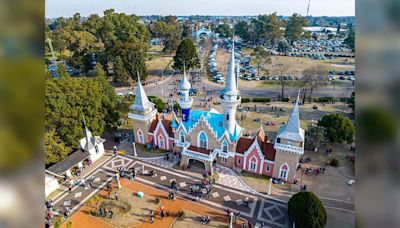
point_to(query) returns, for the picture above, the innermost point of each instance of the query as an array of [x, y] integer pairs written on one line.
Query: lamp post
[[134, 149], [231, 220], [119, 183], [270, 187]]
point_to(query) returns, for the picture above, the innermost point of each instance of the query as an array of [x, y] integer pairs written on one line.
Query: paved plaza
[[260, 209]]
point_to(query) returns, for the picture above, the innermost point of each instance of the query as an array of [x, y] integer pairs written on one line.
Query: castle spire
[[291, 130], [231, 83], [142, 102]]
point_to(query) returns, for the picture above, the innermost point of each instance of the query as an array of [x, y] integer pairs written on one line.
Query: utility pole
[[308, 7]]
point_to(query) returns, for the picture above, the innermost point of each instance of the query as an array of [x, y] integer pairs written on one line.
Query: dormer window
[[278, 140]]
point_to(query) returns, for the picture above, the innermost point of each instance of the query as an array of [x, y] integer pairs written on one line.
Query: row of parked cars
[[322, 45], [212, 64]]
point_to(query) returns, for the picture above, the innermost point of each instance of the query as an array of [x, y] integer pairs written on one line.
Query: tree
[[224, 30], [307, 35], [350, 40], [307, 210], [338, 128], [315, 136], [120, 73], [67, 99], [55, 149], [282, 68], [99, 71], [269, 28], [284, 46], [186, 54], [133, 58], [294, 27], [242, 30], [261, 58], [314, 78], [62, 70]]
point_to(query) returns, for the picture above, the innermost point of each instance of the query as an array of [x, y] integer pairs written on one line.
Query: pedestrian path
[[228, 178], [162, 161], [89, 169]]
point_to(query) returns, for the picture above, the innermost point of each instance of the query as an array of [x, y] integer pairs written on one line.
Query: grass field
[[157, 63], [298, 64]]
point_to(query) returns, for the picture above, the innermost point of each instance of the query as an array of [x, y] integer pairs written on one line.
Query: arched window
[[161, 143], [253, 164], [224, 146], [182, 136], [202, 140], [284, 171], [140, 137]]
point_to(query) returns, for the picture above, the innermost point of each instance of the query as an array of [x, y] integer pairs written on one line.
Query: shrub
[[334, 163], [261, 99], [325, 99], [285, 99], [245, 100], [159, 103], [307, 210]]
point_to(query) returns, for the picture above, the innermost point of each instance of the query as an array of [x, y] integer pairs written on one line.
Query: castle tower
[[142, 114], [289, 146], [230, 97], [185, 101]]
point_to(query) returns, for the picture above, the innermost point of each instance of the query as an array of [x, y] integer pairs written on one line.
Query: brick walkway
[[228, 178]]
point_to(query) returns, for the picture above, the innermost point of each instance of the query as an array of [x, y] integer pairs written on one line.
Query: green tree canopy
[[269, 28], [186, 54], [350, 39], [338, 128], [120, 73], [55, 149], [224, 30], [67, 99], [284, 46], [315, 137], [133, 58], [307, 210], [294, 27]]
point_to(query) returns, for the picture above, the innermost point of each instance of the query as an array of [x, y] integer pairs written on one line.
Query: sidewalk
[[64, 186]]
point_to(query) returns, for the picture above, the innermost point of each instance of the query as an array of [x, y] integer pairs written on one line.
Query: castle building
[[211, 137]]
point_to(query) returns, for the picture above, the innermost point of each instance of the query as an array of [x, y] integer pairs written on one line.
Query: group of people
[[103, 213], [315, 171]]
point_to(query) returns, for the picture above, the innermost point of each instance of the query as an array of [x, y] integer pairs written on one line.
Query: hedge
[[245, 100], [285, 99], [261, 99]]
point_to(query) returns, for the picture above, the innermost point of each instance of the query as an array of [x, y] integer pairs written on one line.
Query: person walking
[[116, 196], [115, 151], [110, 214], [151, 216], [162, 213]]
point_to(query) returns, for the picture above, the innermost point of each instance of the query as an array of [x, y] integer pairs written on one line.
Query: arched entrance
[[197, 166]]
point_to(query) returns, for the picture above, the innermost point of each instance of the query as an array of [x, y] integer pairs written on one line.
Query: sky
[[66, 8]]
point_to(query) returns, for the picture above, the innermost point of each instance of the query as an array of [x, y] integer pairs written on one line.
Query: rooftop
[[214, 119]]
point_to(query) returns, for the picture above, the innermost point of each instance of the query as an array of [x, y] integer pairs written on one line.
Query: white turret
[[142, 103], [230, 97], [291, 133], [185, 101]]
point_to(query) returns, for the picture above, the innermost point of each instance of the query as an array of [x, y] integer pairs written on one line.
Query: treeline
[[117, 41], [267, 29]]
